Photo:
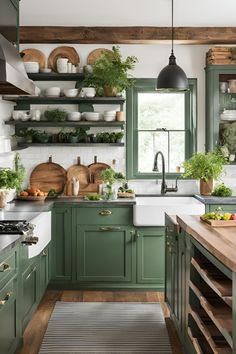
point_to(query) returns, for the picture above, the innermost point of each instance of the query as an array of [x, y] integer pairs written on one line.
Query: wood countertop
[[221, 241]]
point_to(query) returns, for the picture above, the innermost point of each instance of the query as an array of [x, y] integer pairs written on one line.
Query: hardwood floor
[[35, 330]]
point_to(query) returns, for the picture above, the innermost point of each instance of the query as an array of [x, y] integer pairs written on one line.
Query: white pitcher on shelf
[[75, 186]]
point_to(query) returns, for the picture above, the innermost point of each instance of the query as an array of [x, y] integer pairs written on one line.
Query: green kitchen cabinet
[[44, 270], [216, 103], [30, 291], [103, 253], [227, 208], [9, 327], [61, 245], [150, 256]]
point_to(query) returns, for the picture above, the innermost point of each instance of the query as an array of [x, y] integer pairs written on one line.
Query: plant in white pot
[[205, 167], [11, 180]]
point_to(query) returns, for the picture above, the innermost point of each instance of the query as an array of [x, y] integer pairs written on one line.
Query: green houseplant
[[110, 73], [109, 177], [55, 115], [205, 167]]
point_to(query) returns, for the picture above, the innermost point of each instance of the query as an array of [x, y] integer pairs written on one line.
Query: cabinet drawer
[[104, 215], [8, 266]]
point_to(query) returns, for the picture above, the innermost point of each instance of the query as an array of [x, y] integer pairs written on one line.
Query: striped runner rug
[[80, 327]]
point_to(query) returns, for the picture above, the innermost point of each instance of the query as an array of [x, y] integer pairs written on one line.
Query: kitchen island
[[201, 284]]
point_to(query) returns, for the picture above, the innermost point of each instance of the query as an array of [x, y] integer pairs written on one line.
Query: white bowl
[[109, 118], [45, 70], [70, 92], [31, 67], [92, 116], [74, 116], [53, 91], [110, 112]]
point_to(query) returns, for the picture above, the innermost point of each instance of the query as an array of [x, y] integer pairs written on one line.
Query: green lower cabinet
[[30, 291], [9, 328], [227, 208], [103, 253], [61, 246], [151, 256]]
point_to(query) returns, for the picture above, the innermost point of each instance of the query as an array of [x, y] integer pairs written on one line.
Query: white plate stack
[[228, 115]]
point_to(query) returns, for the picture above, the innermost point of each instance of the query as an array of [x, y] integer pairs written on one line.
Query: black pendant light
[[172, 77]]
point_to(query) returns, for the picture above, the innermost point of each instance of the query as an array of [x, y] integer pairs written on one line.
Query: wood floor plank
[[36, 328]]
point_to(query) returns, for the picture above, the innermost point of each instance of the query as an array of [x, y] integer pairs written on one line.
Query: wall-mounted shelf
[[65, 124], [65, 100], [56, 77], [25, 145]]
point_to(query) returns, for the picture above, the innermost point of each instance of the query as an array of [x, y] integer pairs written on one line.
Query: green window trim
[[148, 85]]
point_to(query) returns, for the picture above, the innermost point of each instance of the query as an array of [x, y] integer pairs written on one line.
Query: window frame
[[148, 85]]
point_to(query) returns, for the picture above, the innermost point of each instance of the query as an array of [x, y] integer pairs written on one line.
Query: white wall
[[127, 12]]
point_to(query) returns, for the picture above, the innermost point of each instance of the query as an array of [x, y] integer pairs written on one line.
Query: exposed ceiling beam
[[127, 35]]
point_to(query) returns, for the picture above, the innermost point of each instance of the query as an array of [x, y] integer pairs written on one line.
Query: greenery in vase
[[109, 177], [111, 70], [12, 178], [204, 166]]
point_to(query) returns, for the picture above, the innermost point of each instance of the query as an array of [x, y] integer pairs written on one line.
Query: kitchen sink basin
[[150, 211]]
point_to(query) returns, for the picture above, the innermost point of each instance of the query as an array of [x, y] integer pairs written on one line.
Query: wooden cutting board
[[63, 52], [95, 170], [96, 54], [48, 175], [32, 54], [81, 172]]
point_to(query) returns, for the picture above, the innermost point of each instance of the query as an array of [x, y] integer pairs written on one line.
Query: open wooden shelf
[[56, 77], [65, 124], [25, 145], [64, 100], [200, 344], [221, 284], [211, 333], [217, 310]]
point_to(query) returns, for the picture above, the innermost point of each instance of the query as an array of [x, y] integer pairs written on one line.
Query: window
[[159, 121]]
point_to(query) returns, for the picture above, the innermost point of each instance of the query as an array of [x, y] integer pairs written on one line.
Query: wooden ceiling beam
[[127, 35]]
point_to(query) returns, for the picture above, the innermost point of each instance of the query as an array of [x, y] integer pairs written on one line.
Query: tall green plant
[[204, 166], [111, 70]]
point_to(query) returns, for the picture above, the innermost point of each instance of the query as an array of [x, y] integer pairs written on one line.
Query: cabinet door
[[61, 256], [44, 270], [104, 253], [8, 318], [30, 292], [151, 256], [171, 281]]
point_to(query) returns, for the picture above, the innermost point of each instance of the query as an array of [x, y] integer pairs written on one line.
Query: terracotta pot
[[110, 91], [206, 187]]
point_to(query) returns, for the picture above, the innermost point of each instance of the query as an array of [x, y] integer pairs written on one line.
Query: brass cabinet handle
[[105, 212], [7, 297], [32, 271], [4, 267], [44, 253], [109, 228]]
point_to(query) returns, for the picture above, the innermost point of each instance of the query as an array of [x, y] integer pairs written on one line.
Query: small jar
[[120, 117]]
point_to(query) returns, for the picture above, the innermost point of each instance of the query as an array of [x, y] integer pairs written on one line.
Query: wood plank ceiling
[[127, 35]]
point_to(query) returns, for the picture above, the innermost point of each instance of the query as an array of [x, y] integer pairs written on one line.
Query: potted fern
[[110, 73], [205, 167]]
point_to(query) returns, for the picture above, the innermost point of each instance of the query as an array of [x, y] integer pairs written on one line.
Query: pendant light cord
[[172, 27]]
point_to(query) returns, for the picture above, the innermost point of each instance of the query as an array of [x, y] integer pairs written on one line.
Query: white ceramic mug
[[35, 114], [87, 92]]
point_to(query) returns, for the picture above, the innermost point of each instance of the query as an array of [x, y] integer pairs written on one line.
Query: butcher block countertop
[[221, 241]]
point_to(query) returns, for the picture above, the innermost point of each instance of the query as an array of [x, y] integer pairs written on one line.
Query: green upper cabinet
[[61, 245], [103, 253], [220, 131], [150, 256]]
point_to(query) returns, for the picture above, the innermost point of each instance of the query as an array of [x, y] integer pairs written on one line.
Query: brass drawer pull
[[44, 253], [105, 212], [4, 267], [7, 297], [109, 228]]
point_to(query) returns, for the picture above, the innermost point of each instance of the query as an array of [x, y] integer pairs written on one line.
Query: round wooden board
[[48, 176], [96, 54], [80, 172], [95, 170], [63, 52], [32, 54]]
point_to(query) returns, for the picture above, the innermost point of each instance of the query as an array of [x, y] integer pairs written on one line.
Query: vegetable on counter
[[52, 193], [92, 196], [219, 214], [222, 191]]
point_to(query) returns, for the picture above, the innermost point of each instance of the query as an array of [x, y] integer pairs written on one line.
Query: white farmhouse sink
[[150, 211]]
